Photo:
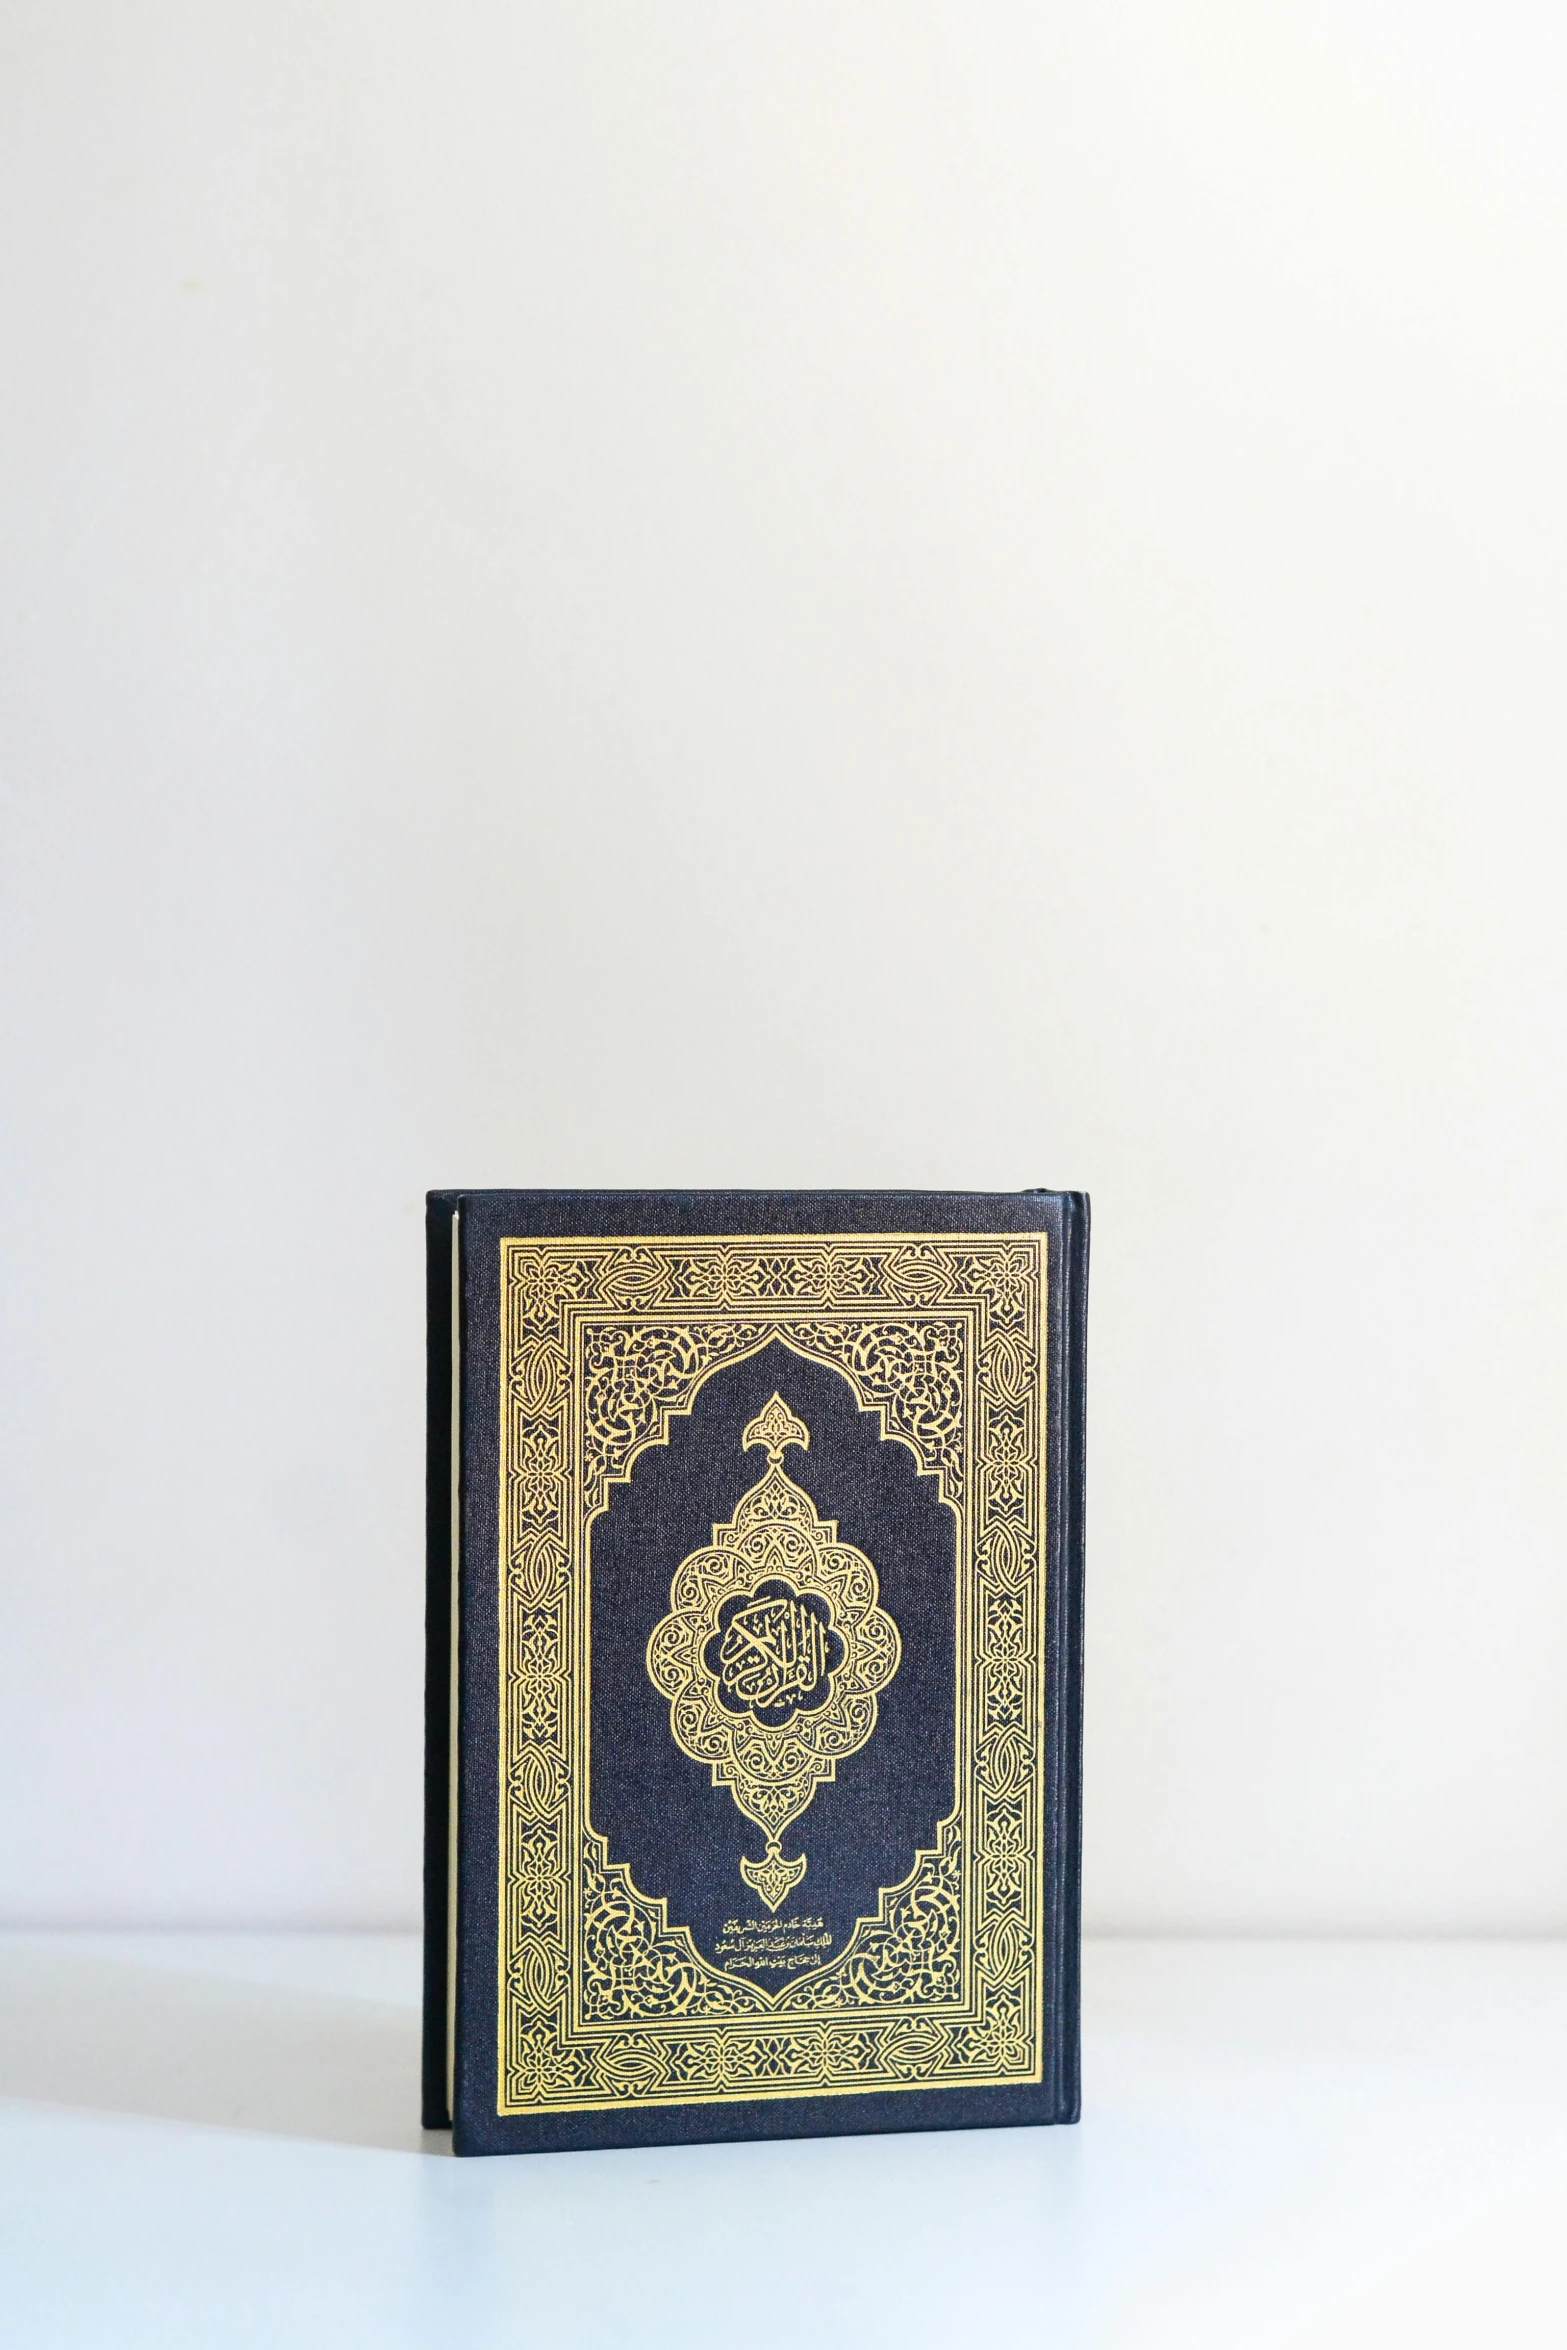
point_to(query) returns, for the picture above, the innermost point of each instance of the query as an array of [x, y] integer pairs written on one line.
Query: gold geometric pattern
[[605, 1341], [773, 1652]]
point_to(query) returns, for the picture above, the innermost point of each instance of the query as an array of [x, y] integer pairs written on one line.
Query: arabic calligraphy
[[780, 1946], [774, 1651]]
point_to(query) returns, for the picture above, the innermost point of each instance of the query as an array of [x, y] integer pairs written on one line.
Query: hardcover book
[[754, 1663]]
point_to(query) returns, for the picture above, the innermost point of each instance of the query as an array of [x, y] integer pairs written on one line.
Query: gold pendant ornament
[[773, 1652]]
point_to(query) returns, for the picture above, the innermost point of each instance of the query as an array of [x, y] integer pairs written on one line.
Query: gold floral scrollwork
[[942, 1337], [773, 1652]]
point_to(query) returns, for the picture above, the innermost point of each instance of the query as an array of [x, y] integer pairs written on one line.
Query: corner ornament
[[773, 1652]]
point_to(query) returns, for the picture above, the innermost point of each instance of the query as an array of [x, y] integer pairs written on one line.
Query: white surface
[[207, 2142], [840, 591]]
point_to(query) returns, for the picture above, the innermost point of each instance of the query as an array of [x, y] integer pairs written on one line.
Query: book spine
[[1070, 1753], [440, 1240]]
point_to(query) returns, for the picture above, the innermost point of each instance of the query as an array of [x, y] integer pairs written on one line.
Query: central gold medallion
[[773, 1652]]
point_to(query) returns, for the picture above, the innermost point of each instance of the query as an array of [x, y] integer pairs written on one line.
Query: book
[[753, 1704]]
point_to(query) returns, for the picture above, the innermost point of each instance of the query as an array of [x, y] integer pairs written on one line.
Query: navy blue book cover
[[753, 1710]]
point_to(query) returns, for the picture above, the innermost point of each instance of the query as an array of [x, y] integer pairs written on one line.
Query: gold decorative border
[[604, 1341]]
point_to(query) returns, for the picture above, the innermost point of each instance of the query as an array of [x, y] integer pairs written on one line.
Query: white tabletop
[[210, 2140]]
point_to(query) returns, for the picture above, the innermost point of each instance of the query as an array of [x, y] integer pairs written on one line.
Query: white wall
[[807, 593]]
